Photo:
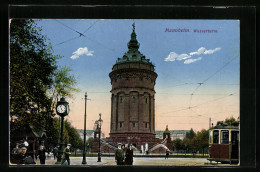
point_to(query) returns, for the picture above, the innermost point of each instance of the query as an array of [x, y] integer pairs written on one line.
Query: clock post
[[62, 109]]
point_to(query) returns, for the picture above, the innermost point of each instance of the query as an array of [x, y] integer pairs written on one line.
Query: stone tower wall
[[132, 100]]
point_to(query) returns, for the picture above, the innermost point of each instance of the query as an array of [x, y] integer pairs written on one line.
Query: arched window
[[146, 100], [133, 99], [121, 99], [133, 124]]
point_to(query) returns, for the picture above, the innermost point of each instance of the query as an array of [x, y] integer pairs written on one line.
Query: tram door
[[234, 142]]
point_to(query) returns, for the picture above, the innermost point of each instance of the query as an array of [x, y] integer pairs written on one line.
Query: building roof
[[133, 55], [88, 132], [157, 132]]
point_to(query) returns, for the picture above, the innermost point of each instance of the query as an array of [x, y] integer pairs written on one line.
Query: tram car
[[224, 143]]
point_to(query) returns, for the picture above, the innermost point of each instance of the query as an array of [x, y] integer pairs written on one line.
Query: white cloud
[[174, 56], [80, 52], [187, 57], [212, 51], [192, 60], [203, 50], [200, 51]]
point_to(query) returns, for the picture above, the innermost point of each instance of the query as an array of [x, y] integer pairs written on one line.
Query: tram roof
[[221, 125]]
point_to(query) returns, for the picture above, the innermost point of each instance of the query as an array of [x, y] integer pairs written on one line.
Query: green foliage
[[33, 76], [230, 121], [193, 141], [74, 138], [89, 144], [191, 134], [32, 66], [63, 85], [53, 132], [64, 82], [178, 144]]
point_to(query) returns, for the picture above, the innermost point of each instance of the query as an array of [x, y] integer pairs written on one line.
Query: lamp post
[[185, 148], [84, 149], [62, 109], [99, 124]]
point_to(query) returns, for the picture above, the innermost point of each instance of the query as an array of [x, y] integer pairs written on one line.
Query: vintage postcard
[[136, 92]]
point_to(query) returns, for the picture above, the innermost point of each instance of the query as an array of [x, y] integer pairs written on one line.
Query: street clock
[[62, 108]]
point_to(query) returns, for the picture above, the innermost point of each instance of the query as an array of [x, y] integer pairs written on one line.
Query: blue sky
[[182, 60]]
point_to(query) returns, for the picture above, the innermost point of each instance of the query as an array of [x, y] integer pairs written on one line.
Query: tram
[[224, 143]]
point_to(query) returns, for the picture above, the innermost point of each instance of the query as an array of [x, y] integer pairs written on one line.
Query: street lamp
[[99, 124], [62, 109], [84, 149], [185, 148]]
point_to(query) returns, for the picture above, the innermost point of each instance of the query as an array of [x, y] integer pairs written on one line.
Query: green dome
[[133, 54]]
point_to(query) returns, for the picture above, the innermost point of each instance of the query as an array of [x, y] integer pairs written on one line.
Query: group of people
[[124, 156], [19, 154]]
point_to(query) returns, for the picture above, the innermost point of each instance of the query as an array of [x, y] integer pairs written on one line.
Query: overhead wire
[[205, 80], [82, 35]]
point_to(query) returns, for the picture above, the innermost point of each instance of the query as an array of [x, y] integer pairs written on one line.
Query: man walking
[[66, 155], [41, 154], [119, 155], [167, 154], [55, 151]]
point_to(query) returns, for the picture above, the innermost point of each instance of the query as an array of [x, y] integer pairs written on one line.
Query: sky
[[198, 72]]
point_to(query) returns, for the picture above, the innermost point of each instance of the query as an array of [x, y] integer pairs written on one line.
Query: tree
[[196, 141], [178, 144], [90, 143], [191, 134], [32, 66], [63, 84], [187, 144], [230, 121], [74, 138], [33, 75], [202, 140]]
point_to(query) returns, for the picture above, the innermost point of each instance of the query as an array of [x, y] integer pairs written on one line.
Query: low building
[[181, 134]]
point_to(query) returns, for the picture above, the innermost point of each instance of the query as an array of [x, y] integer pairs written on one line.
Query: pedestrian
[[66, 155], [42, 154], [167, 154], [129, 155], [119, 155], [15, 149], [123, 148], [55, 151], [21, 157]]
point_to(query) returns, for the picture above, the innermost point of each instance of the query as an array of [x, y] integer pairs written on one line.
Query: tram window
[[210, 136], [224, 137], [215, 136]]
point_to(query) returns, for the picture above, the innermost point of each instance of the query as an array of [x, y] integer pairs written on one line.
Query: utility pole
[[209, 122], [84, 149]]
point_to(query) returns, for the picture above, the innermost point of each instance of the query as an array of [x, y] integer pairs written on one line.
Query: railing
[[108, 144], [163, 142]]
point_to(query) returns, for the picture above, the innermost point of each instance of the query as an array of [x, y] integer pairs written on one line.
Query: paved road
[[139, 161]]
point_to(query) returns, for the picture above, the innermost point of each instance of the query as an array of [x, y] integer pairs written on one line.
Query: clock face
[[61, 109]]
